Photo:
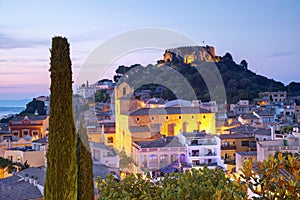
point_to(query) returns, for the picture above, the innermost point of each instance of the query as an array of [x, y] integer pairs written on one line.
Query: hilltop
[[239, 81]]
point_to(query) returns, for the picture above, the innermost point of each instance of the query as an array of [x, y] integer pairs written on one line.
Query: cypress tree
[[85, 187], [61, 174]]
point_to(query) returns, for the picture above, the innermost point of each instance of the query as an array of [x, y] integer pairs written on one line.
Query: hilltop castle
[[190, 55]]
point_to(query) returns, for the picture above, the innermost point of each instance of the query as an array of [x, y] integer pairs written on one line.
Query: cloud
[[23, 60], [7, 42], [281, 54]]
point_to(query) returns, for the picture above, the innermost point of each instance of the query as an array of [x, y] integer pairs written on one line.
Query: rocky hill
[[239, 81]]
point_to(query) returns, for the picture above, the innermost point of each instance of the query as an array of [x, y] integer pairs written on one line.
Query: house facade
[[202, 149], [35, 126]]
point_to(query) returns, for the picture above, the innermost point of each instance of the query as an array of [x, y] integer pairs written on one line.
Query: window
[[110, 154], [35, 132], [110, 140], [15, 133], [203, 116], [124, 90], [192, 116], [153, 160], [152, 118], [174, 158], [179, 117], [163, 158], [196, 162], [25, 132], [167, 117], [245, 143], [137, 119], [195, 152]]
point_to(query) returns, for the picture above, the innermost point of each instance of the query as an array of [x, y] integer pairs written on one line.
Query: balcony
[[202, 155], [194, 143], [228, 147]]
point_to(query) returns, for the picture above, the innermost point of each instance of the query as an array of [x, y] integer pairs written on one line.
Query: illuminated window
[[110, 140]]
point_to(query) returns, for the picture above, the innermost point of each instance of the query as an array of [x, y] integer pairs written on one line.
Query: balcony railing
[[201, 155], [228, 147], [203, 143]]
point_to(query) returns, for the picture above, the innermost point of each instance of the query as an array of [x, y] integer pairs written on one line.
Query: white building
[[266, 148], [22, 154], [103, 155], [86, 90], [158, 154], [202, 149]]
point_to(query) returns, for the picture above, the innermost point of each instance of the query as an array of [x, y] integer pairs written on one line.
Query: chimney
[[35, 181], [26, 178], [273, 133], [8, 144]]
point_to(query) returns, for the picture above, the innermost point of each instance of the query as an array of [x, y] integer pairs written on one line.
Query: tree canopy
[[238, 80], [61, 174], [203, 184]]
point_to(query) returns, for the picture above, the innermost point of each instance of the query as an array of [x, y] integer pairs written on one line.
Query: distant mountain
[[14, 103]]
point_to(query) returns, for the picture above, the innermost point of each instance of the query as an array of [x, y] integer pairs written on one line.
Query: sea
[[8, 111]]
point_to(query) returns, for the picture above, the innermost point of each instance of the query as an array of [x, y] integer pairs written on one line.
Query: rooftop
[[169, 110], [191, 135], [162, 142], [247, 153], [139, 129], [43, 140], [246, 129], [235, 136], [30, 118], [15, 187], [247, 116]]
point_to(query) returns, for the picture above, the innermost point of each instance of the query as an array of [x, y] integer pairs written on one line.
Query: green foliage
[[33, 106], [200, 184], [239, 82], [293, 89], [61, 174], [22, 166], [6, 163], [124, 161], [85, 187], [275, 178], [286, 129], [6, 120], [101, 96]]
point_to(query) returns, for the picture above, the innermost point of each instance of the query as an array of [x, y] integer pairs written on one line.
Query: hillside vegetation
[[239, 82]]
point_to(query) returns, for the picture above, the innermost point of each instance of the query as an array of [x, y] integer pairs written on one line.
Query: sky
[[264, 33]]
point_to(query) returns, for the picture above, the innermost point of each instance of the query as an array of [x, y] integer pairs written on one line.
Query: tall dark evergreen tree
[[61, 175], [85, 187]]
